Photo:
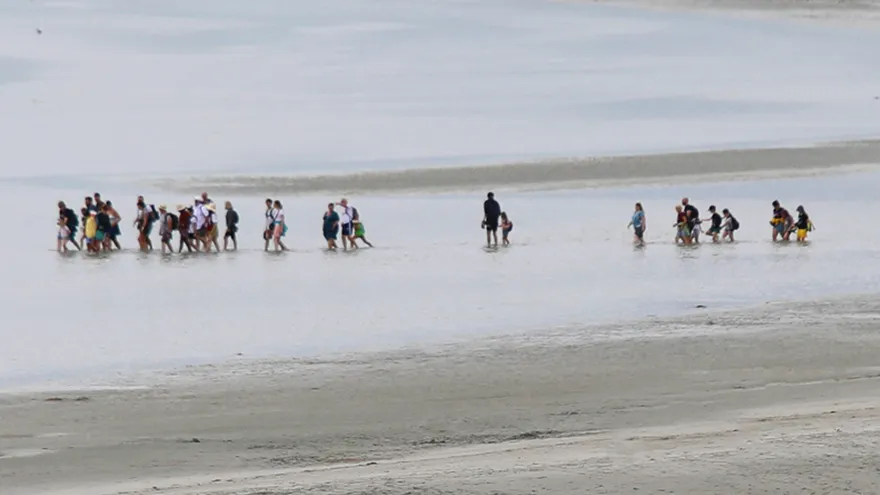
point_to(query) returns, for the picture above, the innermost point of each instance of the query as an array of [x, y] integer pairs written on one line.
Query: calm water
[[163, 86], [429, 279], [113, 92]]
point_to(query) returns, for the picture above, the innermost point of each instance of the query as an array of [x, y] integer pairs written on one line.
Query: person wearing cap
[[184, 228], [214, 231], [803, 224], [166, 227], [781, 222], [491, 212], [91, 231]]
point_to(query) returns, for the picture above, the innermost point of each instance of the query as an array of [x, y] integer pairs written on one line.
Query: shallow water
[[159, 87], [428, 280]]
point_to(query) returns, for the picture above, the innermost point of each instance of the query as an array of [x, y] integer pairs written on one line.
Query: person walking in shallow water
[[231, 228], [331, 226], [491, 212], [279, 225], [71, 221], [506, 228], [269, 227], [639, 224]]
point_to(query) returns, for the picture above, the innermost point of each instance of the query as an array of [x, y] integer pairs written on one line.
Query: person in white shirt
[[278, 225], [346, 217]]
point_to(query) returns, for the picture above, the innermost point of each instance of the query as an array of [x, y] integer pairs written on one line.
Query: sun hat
[[211, 207], [181, 207], [163, 207]]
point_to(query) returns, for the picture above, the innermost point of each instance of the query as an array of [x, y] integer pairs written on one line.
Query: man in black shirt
[[491, 212], [716, 220], [693, 215], [231, 228], [71, 221]]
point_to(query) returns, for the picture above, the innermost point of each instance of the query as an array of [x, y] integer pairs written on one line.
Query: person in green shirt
[[331, 226], [360, 232]]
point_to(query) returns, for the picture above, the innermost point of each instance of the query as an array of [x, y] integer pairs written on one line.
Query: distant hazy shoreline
[[845, 13], [559, 173]]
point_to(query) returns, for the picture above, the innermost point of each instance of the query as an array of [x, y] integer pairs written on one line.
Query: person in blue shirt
[[639, 224]]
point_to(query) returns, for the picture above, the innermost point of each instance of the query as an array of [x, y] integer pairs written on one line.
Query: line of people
[[196, 225], [688, 224]]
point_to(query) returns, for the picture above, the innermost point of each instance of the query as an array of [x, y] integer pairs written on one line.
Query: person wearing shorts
[[231, 228], [506, 228], [346, 219], [715, 229], [803, 224], [491, 213]]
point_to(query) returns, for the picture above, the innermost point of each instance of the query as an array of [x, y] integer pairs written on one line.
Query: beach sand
[[777, 399], [566, 173]]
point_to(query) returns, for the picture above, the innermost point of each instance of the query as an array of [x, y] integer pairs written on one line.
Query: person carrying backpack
[[167, 224], [729, 225], [72, 222]]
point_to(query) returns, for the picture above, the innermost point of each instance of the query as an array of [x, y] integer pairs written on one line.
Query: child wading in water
[[63, 234], [728, 225], [682, 232], [360, 233], [506, 227], [91, 232]]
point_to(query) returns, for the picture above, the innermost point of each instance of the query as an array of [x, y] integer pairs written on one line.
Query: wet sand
[[574, 172], [770, 400]]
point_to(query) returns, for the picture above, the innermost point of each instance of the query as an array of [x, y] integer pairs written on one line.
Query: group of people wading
[[197, 226], [688, 224]]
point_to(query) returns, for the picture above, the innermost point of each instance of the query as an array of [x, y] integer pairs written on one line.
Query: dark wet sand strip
[[573, 172]]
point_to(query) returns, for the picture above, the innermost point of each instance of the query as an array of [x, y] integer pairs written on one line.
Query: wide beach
[[569, 363]]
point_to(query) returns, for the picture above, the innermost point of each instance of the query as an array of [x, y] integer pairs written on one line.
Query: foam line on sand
[[575, 172]]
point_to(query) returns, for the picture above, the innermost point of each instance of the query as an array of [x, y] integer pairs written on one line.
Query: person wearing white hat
[[214, 231]]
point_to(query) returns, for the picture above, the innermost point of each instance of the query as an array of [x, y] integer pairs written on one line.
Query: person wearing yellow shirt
[[92, 231]]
